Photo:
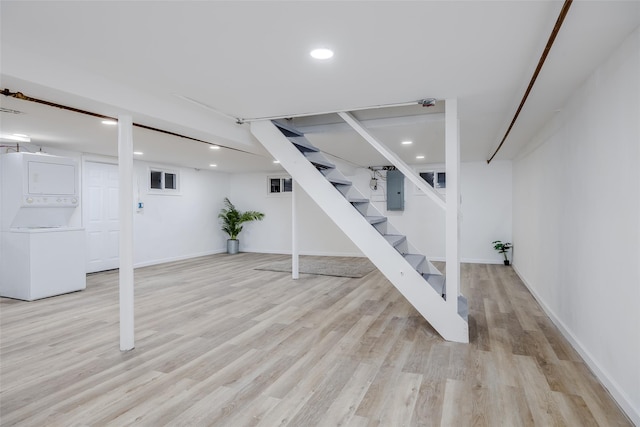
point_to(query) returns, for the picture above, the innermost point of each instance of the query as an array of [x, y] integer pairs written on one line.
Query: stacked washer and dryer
[[41, 254]]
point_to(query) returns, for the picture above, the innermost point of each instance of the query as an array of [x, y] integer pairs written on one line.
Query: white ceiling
[[242, 59]]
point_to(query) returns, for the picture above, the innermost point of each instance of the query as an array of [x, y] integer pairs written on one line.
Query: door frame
[[90, 158]]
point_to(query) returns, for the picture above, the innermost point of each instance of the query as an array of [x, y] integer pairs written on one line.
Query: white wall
[[577, 222], [173, 227], [169, 227], [486, 192], [486, 211], [177, 227], [318, 235], [421, 221]]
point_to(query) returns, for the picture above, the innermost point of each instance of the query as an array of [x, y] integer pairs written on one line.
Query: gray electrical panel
[[395, 190]]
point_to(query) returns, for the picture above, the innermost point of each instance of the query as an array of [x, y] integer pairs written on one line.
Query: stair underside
[[338, 181], [463, 307], [357, 200], [321, 163], [437, 282]]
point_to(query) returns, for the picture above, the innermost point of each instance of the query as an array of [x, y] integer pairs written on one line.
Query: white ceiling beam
[[374, 123]]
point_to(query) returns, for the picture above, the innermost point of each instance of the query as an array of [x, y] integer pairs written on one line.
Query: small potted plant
[[232, 220], [502, 248]]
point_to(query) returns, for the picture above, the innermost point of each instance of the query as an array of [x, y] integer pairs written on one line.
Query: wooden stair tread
[[437, 282], [375, 219], [338, 181], [287, 130], [303, 144], [414, 259], [357, 200], [394, 239]]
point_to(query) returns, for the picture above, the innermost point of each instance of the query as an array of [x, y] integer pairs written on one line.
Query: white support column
[[452, 165], [294, 231], [125, 172]]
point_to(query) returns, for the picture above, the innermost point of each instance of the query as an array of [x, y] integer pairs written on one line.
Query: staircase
[[411, 273]]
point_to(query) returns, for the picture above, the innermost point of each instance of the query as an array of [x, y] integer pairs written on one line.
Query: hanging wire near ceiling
[[19, 95], [14, 147], [552, 37], [358, 165]]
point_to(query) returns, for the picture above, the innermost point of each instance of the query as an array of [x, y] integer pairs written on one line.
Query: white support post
[[125, 172], [294, 232], [452, 165]]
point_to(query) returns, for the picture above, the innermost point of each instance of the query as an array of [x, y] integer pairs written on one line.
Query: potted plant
[[502, 248], [232, 220]]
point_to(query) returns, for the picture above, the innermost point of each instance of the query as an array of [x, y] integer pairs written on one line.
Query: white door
[[101, 215]]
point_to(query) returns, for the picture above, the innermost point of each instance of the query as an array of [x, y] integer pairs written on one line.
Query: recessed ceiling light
[[138, 153], [215, 147], [21, 135], [321, 53], [276, 161], [213, 165], [407, 142], [109, 122], [419, 157]]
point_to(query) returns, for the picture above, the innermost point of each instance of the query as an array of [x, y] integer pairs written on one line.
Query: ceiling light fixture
[[138, 153], [276, 161], [407, 142], [321, 53], [109, 122], [213, 165], [419, 157], [214, 147]]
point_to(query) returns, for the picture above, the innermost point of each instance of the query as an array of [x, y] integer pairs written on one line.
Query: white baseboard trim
[[467, 260], [178, 258], [311, 253], [360, 255], [480, 261], [609, 383]]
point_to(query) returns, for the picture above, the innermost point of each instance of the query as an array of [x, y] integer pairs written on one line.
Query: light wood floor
[[218, 343]]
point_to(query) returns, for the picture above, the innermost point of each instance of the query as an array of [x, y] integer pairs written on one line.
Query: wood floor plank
[[510, 408], [252, 415], [429, 403], [381, 389], [539, 397], [219, 343], [398, 409], [457, 404], [343, 408], [574, 410], [322, 396]]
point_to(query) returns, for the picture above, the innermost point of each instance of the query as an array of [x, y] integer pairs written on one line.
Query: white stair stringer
[[411, 284]]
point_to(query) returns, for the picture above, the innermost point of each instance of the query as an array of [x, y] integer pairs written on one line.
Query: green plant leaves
[[232, 218]]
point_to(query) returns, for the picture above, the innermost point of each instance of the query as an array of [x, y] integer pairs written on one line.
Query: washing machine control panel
[[50, 201]]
